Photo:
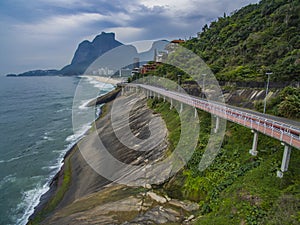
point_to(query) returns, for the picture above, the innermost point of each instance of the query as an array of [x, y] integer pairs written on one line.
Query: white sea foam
[[84, 103], [30, 200], [51, 168], [78, 134], [100, 85], [48, 138], [63, 110], [17, 158], [32, 197]]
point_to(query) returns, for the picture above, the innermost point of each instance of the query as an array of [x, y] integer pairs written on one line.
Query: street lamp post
[[203, 85], [267, 89], [178, 82]]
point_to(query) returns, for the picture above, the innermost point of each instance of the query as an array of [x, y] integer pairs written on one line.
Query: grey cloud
[[156, 22]]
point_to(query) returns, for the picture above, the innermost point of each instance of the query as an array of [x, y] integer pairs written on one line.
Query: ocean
[[35, 133]]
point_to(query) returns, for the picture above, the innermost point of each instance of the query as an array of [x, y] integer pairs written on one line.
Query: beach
[[107, 80]]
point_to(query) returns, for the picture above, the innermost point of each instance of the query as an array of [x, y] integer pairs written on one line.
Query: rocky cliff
[[92, 199]]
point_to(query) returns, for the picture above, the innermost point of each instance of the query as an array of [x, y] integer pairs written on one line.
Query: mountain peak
[[104, 36]]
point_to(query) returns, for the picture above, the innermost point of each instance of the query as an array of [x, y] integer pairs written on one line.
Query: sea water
[[35, 132]]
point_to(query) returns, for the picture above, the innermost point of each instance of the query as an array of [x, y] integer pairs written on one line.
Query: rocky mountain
[[87, 52], [90, 56]]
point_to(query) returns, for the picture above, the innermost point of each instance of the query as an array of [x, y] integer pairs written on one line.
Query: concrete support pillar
[[253, 151], [217, 124], [285, 160], [181, 107], [171, 106], [196, 113], [122, 93], [164, 98]]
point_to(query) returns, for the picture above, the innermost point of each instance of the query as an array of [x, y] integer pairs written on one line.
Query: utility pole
[[267, 89]]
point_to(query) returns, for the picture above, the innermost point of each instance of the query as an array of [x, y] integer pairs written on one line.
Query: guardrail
[[276, 129]]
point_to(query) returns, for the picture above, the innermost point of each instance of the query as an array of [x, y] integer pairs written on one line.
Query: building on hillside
[[178, 41], [135, 71], [149, 67], [173, 44]]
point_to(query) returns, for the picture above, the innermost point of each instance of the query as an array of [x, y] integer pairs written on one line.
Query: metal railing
[[283, 132]]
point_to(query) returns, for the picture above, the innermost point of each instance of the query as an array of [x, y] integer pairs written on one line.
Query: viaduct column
[[285, 160], [217, 124], [253, 151]]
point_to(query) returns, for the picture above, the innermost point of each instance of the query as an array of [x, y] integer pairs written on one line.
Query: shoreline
[[91, 197], [107, 80], [56, 181]]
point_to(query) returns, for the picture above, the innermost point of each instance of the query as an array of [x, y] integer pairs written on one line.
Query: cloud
[[60, 24], [128, 34], [50, 30]]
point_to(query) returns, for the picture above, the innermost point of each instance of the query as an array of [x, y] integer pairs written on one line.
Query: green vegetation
[[171, 119], [253, 40], [257, 38], [286, 104], [237, 188]]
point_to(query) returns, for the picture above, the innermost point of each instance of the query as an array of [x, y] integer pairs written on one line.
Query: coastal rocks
[[157, 215], [105, 98], [186, 205], [156, 197], [247, 97], [93, 199], [116, 204]]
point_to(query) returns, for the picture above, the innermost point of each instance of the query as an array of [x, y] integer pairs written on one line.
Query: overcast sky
[[44, 34]]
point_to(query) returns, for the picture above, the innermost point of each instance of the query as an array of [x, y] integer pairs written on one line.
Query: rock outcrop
[[93, 199]]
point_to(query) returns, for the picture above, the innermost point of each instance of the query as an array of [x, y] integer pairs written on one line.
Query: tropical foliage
[[253, 40]]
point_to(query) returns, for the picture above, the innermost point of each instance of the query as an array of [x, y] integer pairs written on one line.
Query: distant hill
[[253, 40], [33, 73]]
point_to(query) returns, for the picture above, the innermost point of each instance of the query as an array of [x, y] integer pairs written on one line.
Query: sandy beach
[[107, 80]]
